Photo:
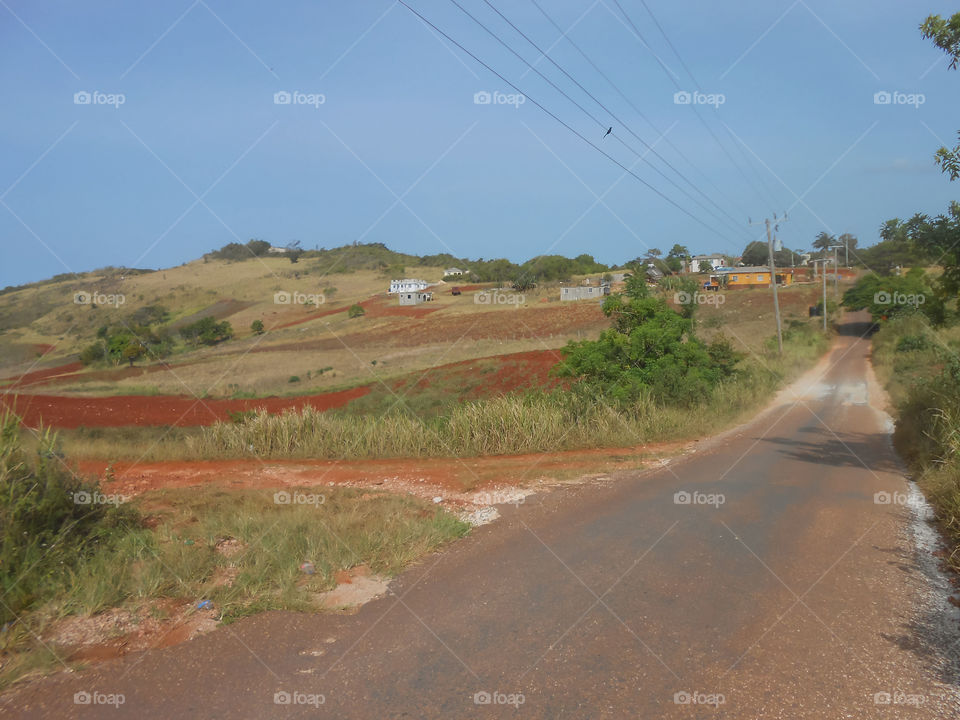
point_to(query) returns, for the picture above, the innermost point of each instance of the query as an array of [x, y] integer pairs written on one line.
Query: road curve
[[759, 577]]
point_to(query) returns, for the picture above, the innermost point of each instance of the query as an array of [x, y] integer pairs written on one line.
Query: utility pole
[[773, 282], [835, 269], [823, 271]]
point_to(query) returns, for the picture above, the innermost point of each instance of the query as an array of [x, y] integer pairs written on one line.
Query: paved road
[[781, 590]]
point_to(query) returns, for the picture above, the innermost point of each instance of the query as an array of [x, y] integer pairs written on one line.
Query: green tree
[[649, 350], [207, 331], [134, 351], [756, 253], [356, 311], [257, 327], [823, 241], [946, 36], [886, 296]]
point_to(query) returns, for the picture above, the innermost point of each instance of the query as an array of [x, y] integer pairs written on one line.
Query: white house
[[700, 263], [407, 285], [451, 272], [278, 250]]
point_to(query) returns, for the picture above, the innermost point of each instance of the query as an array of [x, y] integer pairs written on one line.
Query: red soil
[[384, 306], [517, 371], [39, 376], [180, 410], [422, 476]]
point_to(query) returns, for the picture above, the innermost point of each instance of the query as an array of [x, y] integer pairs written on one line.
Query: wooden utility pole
[[773, 282]]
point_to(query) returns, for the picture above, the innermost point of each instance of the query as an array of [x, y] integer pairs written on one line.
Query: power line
[[694, 107], [600, 124], [633, 105], [568, 127], [733, 221]]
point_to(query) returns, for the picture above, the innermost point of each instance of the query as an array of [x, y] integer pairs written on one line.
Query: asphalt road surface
[[759, 577]]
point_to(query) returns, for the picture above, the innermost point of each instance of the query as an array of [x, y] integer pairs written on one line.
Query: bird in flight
[[609, 130]]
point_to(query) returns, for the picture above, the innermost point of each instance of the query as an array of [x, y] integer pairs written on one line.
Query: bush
[[207, 331], [650, 351], [257, 327], [356, 311], [46, 528]]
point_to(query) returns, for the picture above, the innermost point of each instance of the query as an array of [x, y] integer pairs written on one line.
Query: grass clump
[[67, 549]]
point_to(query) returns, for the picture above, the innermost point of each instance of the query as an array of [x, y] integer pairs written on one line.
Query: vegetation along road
[[775, 572]]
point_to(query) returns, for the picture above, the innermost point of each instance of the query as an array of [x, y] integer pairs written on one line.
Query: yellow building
[[754, 277]]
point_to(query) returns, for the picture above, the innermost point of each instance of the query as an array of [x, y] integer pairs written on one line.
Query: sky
[[140, 134]]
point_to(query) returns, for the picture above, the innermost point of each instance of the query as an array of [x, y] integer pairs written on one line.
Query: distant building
[[757, 276], [703, 263], [407, 285], [654, 274], [585, 292], [453, 272], [414, 297], [277, 251]]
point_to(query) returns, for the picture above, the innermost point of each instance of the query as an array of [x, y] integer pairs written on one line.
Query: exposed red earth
[[37, 377], [513, 372], [429, 475], [59, 411]]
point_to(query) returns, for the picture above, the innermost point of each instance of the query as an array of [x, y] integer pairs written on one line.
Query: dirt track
[[796, 596]]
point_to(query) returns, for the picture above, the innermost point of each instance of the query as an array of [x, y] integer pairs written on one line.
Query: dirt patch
[[118, 631], [37, 377], [355, 587], [389, 307], [176, 410]]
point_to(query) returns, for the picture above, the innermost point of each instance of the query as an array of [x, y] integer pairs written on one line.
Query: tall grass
[[59, 557], [921, 369], [511, 424]]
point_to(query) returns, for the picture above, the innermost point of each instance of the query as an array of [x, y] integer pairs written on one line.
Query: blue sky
[[199, 154]]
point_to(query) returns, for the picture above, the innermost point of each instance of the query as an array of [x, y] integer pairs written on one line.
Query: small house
[[756, 276], [585, 292], [705, 263], [407, 285], [414, 298], [453, 272]]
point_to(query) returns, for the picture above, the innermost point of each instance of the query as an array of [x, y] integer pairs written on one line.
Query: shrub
[[46, 527], [257, 327], [356, 311], [207, 331], [651, 351]]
